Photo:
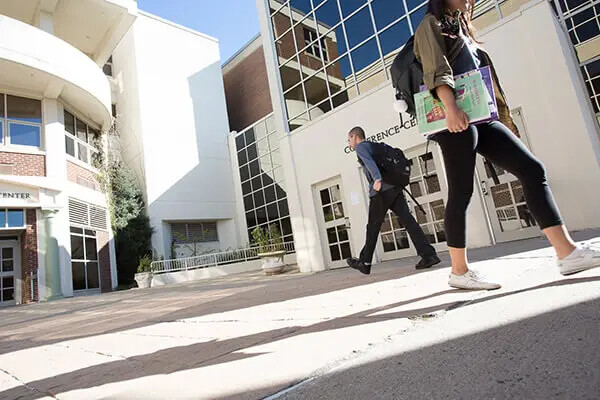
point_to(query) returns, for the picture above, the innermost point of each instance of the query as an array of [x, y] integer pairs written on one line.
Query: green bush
[[145, 264], [131, 225], [269, 239]]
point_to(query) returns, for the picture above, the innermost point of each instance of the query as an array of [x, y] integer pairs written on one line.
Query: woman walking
[[445, 45]]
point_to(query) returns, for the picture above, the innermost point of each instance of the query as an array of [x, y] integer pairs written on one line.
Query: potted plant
[[270, 249], [144, 272]]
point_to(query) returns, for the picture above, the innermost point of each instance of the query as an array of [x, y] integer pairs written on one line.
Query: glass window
[[328, 15], [90, 248], [302, 6], [251, 219], [359, 27], [270, 194], [246, 188], [78, 275], [252, 152], [1, 132], [92, 275], [240, 142], [394, 37], [77, 252], [25, 135], [349, 6], [69, 123], [290, 76], [412, 4], [16, 218], [23, 109], [1, 105], [82, 141], [82, 152], [316, 89], [254, 168], [244, 173], [387, 11], [364, 57], [264, 194], [314, 47], [2, 218], [81, 131], [337, 73]]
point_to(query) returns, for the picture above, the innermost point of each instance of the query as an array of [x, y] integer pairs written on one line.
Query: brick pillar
[[29, 258], [102, 240]]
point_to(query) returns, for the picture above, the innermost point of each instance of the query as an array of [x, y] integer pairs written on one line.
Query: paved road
[[395, 334]]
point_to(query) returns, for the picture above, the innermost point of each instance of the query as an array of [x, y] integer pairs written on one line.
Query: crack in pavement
[[28, 386]]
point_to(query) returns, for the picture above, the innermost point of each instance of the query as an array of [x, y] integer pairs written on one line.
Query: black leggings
[[500, 146]]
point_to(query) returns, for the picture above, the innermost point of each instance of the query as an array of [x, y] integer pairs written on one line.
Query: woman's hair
[[437, 8]]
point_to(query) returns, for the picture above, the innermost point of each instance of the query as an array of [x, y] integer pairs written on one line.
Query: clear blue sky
[[233, 22]]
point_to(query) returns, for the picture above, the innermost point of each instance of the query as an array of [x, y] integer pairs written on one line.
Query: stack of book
[[474, 95]]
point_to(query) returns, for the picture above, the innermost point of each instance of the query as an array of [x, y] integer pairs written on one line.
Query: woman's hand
[[456, 119]]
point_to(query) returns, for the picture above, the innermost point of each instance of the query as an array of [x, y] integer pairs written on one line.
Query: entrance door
[[509, 215], [428, 186], [10, 270], [334, 223]]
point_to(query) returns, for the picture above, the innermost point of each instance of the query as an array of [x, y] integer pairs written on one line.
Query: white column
[[52, 273], [240, 214], [309, 254], [56, 171]]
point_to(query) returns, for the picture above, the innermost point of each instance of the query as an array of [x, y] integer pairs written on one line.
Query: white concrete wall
[[32, 59], [538, 74], [175, 120]]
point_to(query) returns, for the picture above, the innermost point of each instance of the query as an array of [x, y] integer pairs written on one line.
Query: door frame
[[17, 281], [415, 152], [322, 225], [485, 185]]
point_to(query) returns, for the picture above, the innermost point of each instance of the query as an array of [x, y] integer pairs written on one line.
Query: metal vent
[[87, 215], [98, 217]]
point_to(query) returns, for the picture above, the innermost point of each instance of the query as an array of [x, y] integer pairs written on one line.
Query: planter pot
[[143, 279], [273, 262]]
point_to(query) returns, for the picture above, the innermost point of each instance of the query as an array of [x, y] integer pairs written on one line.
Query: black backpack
[[394, 167], [407, 75], [393, 164]]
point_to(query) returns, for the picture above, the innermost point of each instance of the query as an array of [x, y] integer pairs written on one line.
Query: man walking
[[383, 197]]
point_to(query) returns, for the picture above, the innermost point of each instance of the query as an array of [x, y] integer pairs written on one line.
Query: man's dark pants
[[393, 199]]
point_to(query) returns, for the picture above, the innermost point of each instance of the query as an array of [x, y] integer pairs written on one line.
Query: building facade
[[173, 127], [55, 106], [328, 69]]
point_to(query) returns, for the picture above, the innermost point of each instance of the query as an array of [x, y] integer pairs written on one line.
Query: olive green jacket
[[436, 51]]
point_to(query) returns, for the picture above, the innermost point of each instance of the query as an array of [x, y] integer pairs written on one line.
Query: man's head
[[355, 136]]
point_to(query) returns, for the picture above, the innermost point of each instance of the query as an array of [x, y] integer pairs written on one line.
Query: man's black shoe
[[359, 265], [428, 262]]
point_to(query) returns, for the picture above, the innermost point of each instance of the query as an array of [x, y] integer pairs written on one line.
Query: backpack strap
[[416, 202]]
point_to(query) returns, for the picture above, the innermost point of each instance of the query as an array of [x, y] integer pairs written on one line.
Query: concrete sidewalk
[[338, 334]]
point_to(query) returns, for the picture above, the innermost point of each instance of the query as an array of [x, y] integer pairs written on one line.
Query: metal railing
[[216, 259]]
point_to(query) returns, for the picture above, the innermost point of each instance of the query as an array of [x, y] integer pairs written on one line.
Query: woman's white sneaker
[[471, 281], [581, 259]]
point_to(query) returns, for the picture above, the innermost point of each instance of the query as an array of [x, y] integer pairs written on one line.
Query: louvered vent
[[87, 215]]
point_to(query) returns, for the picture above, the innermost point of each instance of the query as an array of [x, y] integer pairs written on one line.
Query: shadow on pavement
[[209, 353], [550, 356]]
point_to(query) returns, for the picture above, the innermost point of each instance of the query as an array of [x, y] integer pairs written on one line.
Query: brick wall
[[104, 259], [22, 164], [247, 91], [82, 176], [29, 257]]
